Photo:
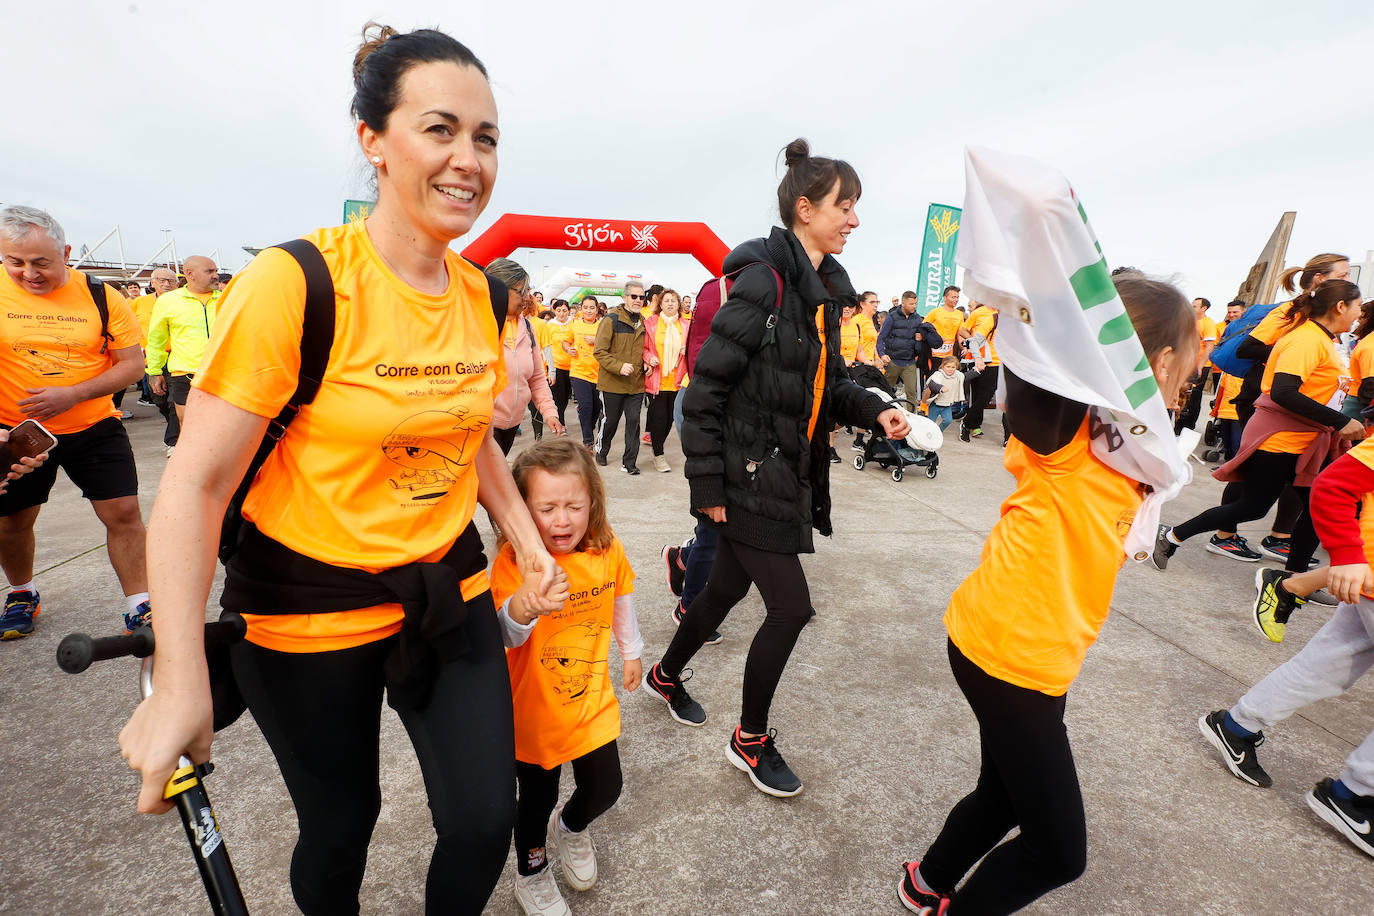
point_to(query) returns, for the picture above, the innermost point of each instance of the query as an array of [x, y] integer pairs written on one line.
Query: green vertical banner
[[937, 255], [357, 209]]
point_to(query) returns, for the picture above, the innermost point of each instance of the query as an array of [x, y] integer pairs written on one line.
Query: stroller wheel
[[931, 471], [897, 474], [859, 462]]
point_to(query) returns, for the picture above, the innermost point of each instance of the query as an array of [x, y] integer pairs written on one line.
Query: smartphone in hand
[[27, 440]]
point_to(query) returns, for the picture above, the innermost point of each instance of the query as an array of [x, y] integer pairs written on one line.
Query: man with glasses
[[619, 354]]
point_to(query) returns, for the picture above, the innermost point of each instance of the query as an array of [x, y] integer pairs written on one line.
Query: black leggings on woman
[[562, 390], [1027, 779], [321, 715], [597, 774], [787, 599], [660, 419], [1266, 475]]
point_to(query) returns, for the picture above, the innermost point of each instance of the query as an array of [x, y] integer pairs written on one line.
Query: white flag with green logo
[[1028, 251]]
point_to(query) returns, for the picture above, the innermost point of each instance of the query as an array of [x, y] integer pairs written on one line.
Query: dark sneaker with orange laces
[[758, 757], [916, 900], [676, 571]]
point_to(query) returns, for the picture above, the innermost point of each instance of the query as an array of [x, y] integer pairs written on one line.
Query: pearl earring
[[376, 160]]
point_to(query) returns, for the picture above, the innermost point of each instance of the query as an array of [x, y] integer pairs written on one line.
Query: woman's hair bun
[[797, 151], [374, 34]]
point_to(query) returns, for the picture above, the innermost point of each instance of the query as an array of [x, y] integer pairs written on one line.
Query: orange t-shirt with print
[[560, 679], [1309, 353], [1067, 520], [559, 334], [948, 322], [584, 364], [54, 341], [378, 471]]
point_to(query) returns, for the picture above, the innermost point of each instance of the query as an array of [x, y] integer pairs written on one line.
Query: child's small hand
[[1347, 582], [634, 673]]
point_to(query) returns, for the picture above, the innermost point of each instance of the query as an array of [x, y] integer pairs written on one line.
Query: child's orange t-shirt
[[560, 679]]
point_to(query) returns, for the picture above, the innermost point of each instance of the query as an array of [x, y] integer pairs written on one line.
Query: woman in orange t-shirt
[[1302, 374], [1021, 623], [665, 355], [369, 497]]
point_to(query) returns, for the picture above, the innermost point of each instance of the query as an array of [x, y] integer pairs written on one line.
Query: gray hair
[[17, 222], [634, 283], [508, 272]]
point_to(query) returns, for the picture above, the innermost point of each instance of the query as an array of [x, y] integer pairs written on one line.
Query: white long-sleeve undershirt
[[624, 626]]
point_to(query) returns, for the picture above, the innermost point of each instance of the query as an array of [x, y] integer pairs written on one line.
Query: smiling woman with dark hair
[[767, 387]]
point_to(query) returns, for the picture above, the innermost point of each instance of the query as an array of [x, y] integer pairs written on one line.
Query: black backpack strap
[[102, 306], [317, 338]]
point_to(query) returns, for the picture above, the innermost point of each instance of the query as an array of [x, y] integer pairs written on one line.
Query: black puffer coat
[[747, 408]]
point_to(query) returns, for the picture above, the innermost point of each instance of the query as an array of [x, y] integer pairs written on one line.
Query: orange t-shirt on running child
[[1067, 520], [378, 471], [1309, 353], [947, 321], [54, 340], [584, 364], [560, 678]]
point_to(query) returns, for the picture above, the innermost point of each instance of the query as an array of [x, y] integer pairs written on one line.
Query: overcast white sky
[[1187, 128]]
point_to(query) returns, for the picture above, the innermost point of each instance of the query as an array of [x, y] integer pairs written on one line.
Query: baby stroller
[[897, 455]]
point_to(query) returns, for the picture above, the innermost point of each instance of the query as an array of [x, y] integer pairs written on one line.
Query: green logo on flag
[[357, 209], [937, 255]]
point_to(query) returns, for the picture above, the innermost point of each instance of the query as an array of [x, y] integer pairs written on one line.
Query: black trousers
[[787, 599], [588, 408], [597, 774], [505, 437], [628, 406], [321, 715], [1187, 417], [562, 390], [1266, 476], [980, 394], [1027, 779], [536, 422], [660, 419]]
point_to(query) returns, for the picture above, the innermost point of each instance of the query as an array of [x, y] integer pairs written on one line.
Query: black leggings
[[1027, 779], [588, 408], [321, 715], [1266, 475], [505, 437], [980, 394], [782, 585], [562, 390], [660, 419], [597, 774]]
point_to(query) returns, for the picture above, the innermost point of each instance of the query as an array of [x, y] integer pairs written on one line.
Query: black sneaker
[[858, 445], [759, 758], [681, 706], [834, 456], [676, 571], [630, 469], [1237, 753], [1234, 547], [963, 433], [600, 459], [1354, 817], [1323, 597], [1164, 548], [1277, 549], [915, 899], [713, 640]]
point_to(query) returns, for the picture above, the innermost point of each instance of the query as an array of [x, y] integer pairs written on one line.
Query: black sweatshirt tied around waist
[[266, 577]]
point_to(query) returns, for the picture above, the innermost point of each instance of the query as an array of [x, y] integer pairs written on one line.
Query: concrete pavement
[[867, 714]]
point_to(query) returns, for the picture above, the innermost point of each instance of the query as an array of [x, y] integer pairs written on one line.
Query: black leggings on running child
[[597, 774], [1266, 476], [321, 715], [1028, 780], [787, 600]]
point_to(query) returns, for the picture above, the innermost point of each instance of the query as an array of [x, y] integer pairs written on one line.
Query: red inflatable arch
[[516, 230]]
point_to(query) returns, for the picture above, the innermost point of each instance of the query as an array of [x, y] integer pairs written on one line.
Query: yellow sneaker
[[1273, 604]]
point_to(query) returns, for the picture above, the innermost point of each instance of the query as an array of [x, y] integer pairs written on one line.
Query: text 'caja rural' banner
[[937, 255]]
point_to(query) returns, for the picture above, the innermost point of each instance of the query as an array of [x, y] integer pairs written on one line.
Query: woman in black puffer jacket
[[767, 387]]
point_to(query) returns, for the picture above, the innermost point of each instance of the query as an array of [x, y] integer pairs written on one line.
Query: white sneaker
[[170, 450], [575, 852], [661, 464], [538, 894]]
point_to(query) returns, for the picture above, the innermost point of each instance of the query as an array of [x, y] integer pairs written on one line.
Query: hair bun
[[796, 152], [374, 35]]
